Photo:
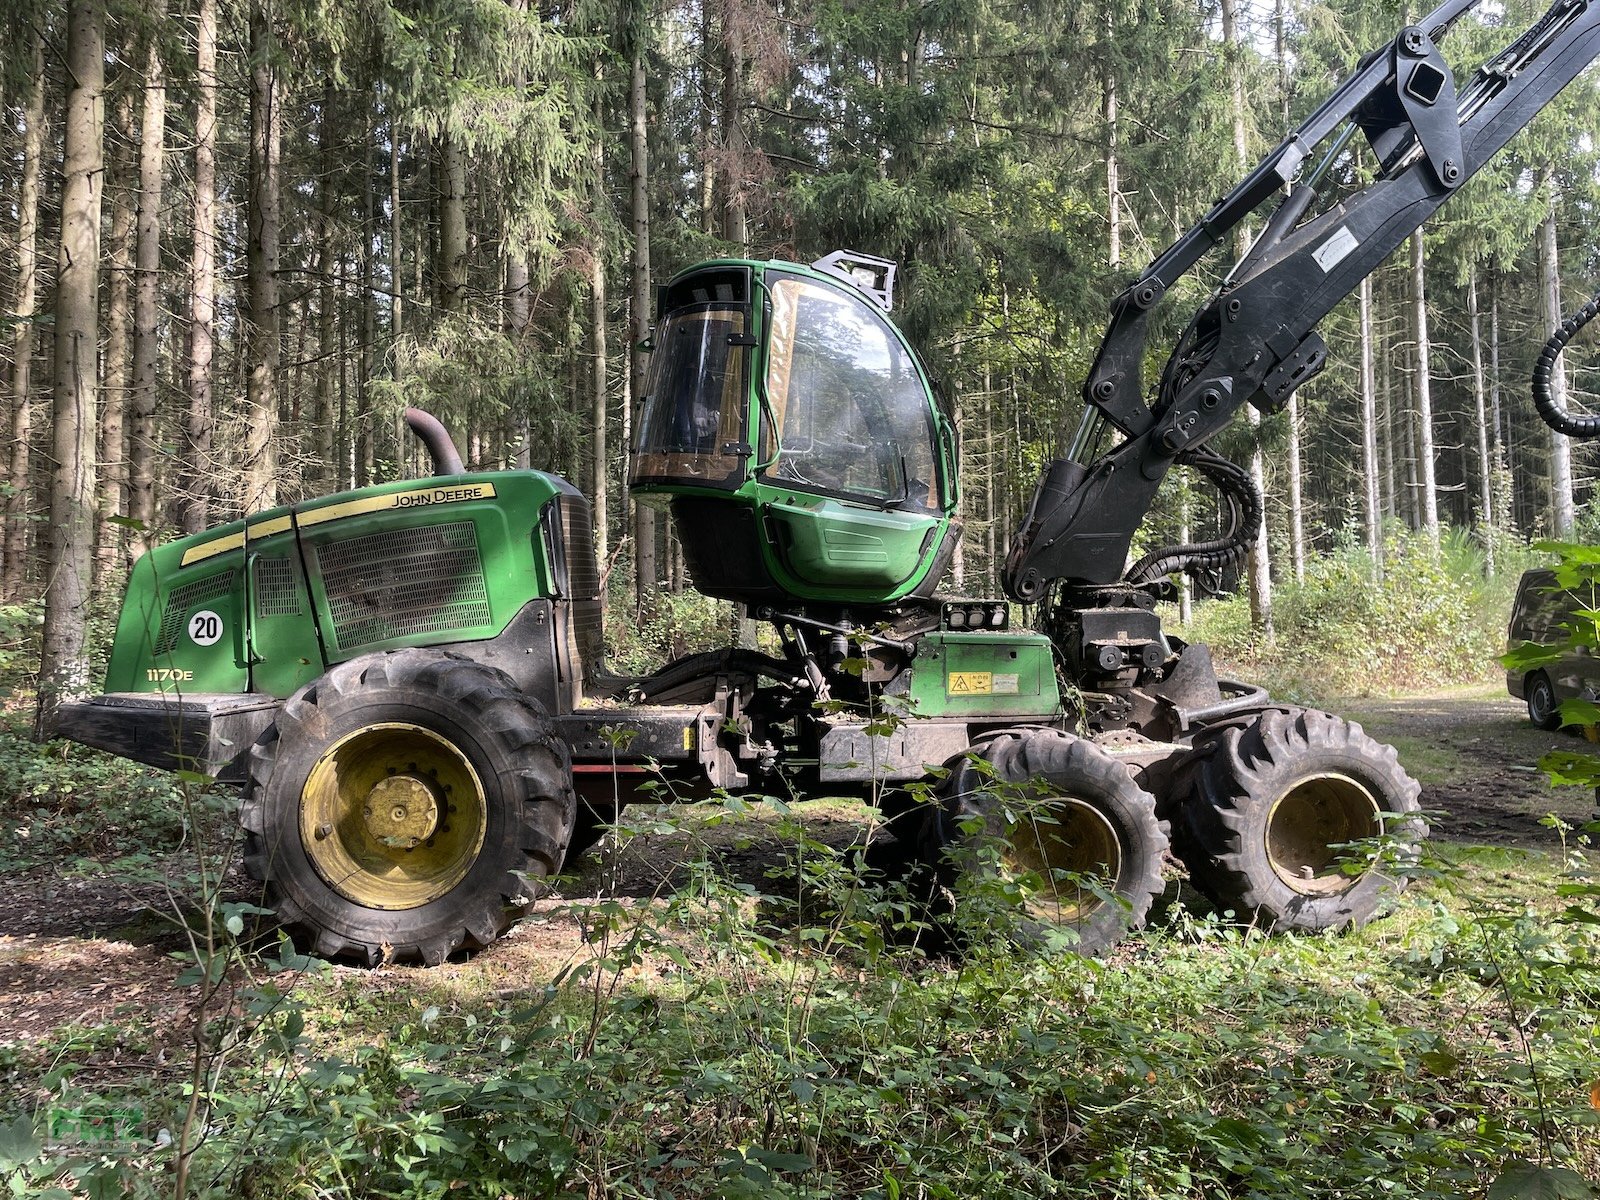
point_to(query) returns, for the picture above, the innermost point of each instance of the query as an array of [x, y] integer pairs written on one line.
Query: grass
[[702, 1052]]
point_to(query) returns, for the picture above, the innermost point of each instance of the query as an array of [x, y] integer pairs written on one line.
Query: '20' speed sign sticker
[[205, 628]]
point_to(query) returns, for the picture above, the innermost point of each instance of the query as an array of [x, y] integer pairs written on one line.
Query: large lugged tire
[[1057, 813], [1271, 802], [397, 805]]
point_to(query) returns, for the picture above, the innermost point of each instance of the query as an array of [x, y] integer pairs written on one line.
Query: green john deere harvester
[[408, 679]]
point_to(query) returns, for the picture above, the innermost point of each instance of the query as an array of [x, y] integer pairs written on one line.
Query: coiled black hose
[[1572, 424], [1244, 509]]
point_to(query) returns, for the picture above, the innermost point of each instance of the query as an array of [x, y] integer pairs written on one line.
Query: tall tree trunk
[[196, 468], [1259, 565], [341, 339], [452, 225], [989, 472], [146, 290], [519, 314], [1413, 480], [1297, 524], [329, 450], [1371, 468], [1297, 528], [707, 109], [261, 329], [1504, 492], [1391, 491], [367, 451], [644, 536], [17, 505], [1497, 439], [735, 214], [1422, 386], [1561, 503], [1485, 467], [597, 416], [112, 455], [396, 254], [1108, 116], [404, 444], [63, 666]]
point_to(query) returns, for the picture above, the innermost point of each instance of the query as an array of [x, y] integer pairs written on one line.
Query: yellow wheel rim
[[1309, 821], [1067, 849], [393, 816]]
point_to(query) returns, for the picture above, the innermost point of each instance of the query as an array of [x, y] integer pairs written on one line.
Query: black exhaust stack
[[433, 435]]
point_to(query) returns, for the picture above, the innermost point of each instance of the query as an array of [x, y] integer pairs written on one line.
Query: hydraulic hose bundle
[[1244, 511], [1550, 411]]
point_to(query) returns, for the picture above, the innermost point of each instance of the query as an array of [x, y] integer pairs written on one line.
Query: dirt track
[[1474, 753]]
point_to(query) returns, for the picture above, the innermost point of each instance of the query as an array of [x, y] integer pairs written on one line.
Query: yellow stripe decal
[[415, 498], [221, 545], [213, 548], [266, 529]]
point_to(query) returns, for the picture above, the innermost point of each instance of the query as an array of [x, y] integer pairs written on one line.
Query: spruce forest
[[239, 238], [447, 938]]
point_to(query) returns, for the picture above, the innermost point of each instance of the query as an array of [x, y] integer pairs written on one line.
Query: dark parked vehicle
[[1542, 613]]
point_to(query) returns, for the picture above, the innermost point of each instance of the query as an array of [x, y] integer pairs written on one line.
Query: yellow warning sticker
[[969, 683], [688, 737]]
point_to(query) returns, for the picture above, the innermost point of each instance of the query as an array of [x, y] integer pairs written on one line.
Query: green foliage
[[19, 642], [1435, 618], [676, 624], [729, 1040], [61, 801]]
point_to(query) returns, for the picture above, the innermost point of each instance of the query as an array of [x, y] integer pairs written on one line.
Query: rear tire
[[1544, 710], [1271, 801], [399, 804], [1056, 813]]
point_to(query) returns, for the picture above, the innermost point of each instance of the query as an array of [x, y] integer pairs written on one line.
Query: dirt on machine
[[408, 680]]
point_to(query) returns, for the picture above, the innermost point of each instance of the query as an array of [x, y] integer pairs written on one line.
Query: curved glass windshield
[[851, 411], [691, 428]]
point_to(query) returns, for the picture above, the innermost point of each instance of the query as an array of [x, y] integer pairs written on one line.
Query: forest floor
[[82, 950]]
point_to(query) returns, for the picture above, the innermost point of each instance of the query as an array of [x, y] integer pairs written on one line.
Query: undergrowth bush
[[695, 1047], [61, 801], [1436, 618], [677, 623], [20, 624]]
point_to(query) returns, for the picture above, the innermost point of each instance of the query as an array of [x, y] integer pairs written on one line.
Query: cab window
[[691, 429], [852, 414]]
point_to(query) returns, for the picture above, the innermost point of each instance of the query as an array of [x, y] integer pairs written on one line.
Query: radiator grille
[[404, 582], [185, 597], [577, 530], [277, 591]]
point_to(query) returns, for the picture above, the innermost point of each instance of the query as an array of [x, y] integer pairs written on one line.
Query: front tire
[[398, 805], [1544, 710], [1271, 804], [1062, 819]]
